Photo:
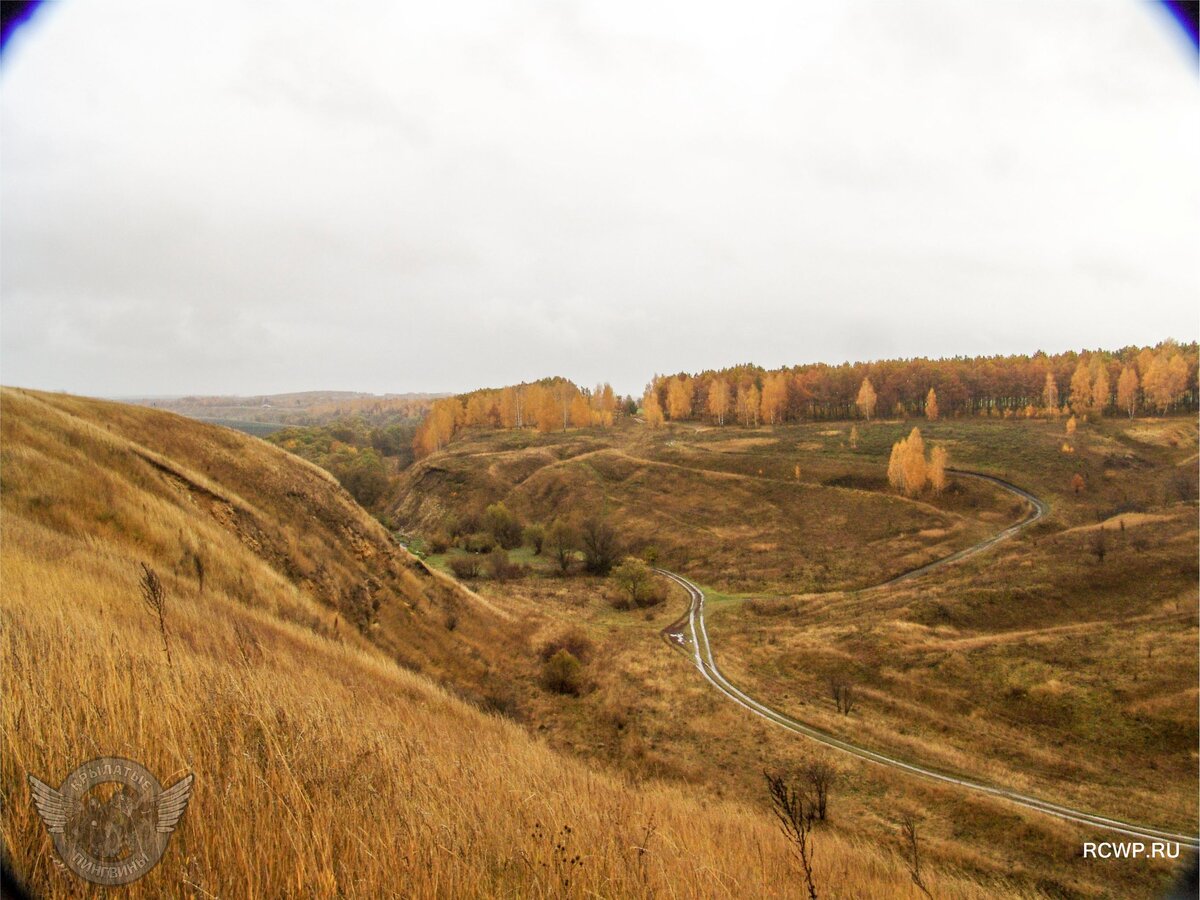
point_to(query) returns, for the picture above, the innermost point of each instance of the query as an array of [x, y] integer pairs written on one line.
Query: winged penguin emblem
[[56, 810]]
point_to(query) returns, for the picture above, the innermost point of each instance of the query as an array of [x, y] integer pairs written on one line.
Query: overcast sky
[[234, 197]]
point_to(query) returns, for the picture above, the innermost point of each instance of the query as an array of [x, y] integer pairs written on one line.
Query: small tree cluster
[[601, 549], [908, 470], [638, 585], [503, 526]]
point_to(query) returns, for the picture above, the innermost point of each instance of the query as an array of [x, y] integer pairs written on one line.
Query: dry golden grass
[[690, 501], [1033, 664], [323, 768]]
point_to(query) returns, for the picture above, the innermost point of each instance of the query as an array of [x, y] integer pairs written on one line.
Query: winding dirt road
[[690, 635]]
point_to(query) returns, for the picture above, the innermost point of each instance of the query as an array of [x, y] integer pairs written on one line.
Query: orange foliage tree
[[651, 409], [931, 406], [866, 399], [1127, 390], [908, 472], [679, 398], [718, 400]]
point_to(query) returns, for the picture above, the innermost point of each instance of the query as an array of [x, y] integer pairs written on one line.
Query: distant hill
[[298, 408]]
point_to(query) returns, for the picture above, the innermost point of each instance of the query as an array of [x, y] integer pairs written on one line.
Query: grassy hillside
[[1034, 665], [324, 767], [689, 495]]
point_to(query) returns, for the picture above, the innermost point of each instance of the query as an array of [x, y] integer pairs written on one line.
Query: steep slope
[[322, 767], [219, 513]]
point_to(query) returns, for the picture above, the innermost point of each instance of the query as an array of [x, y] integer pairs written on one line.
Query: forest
[[1131, 381]]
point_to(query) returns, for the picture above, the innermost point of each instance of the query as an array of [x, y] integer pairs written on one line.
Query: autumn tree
[[774, 398], [679, 398], [866, 399], [1166, 378], [481, 409], [562, 539], [1081, 389], [937, 469], [718, 400], [907, 469], [502, 525], [931, 405], [510, 406], [895, 469], [438, 427], [603, 405], [636, 579], [1127, 390], [601, 549], [1050, 395], [915, 468], [564, 396], [1101, 389], [581, 412], [747, 404], [535, 537], [651, 409]]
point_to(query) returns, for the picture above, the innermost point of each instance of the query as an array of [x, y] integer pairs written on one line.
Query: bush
[[503, 526], [499, 567], [465, 565], [562, 541], [601, 550], [535, 537], [637, 584], [463, 524], [563, 674], [362, 474], [479, 542], [439, 542], [574, 641]]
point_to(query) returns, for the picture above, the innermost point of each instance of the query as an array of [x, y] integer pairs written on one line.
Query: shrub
[[574, 641], [562, 673], [479, 542], [535, 537], [562, 541], [465, 565], [601, 550], [439, 542], [502, 525], [499, 567], [638, 584]]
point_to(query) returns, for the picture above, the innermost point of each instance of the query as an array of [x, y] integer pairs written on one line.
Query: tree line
[[552, 404], [1133, 380], [1147, 380]]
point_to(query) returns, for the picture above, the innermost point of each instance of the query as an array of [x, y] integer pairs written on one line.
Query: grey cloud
[[250, 198]]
